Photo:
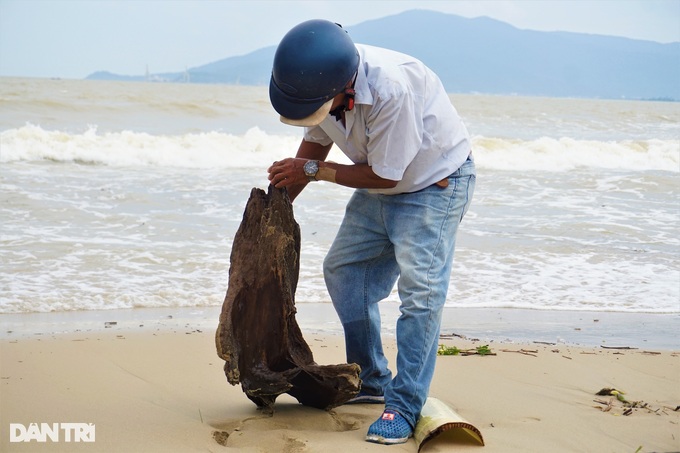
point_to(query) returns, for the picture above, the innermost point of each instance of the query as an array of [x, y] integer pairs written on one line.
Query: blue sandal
[[391, 428]]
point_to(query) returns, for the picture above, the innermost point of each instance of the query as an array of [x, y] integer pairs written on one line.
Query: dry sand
[[163, 390]]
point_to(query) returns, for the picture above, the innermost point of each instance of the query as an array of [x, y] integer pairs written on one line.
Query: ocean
[[121, 195]]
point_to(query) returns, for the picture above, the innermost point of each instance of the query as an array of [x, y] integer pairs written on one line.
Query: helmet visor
[[295, 108], [312, 120]]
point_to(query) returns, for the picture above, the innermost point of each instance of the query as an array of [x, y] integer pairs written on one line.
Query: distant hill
[[483, 55]]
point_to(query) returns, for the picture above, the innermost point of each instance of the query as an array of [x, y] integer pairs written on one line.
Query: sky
[[74, 38]]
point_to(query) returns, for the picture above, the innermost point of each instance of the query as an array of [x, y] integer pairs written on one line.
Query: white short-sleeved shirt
[[403, 124]]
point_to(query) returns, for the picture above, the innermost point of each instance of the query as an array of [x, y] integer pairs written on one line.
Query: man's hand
[[288, 172]]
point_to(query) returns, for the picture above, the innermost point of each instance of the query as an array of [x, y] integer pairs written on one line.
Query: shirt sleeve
[[395, 134], [317, 135]]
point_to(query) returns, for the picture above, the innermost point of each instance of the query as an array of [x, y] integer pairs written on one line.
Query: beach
[[158, 385]]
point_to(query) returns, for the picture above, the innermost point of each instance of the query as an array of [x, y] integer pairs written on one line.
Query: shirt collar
[[363, 93]]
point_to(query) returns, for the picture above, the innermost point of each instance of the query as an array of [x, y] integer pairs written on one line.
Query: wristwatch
[[311, 169]]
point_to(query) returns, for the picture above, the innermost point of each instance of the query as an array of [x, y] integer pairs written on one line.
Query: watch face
[[311, 167]]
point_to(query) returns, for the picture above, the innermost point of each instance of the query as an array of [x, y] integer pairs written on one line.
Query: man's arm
[[289, 172]]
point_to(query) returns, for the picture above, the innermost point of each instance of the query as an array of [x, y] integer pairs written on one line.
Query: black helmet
[[313, 63]]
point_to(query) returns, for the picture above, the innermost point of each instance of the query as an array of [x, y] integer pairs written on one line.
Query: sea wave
[[256, 148]]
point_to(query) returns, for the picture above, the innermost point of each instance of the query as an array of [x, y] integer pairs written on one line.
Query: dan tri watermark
[[54, 432]]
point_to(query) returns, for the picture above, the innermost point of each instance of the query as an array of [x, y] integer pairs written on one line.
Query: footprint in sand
[[289, 422]]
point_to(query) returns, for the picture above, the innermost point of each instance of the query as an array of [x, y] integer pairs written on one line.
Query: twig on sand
[[616, 347], [607, 405], [479, 350], [522, 351], [452, 335], [473, 352]]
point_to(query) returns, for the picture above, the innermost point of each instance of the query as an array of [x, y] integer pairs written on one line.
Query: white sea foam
[[199, 150], [565, 154], [258, 149]]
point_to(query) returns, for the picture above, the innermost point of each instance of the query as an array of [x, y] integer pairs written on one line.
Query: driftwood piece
[[258, 336]]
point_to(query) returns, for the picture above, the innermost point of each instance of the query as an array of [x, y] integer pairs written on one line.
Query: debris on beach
[[437, 418], [613, 392], [530, 352], [258, 336], [454, 335], [448, 350], [606, 391], [453, 350], [625, 407]]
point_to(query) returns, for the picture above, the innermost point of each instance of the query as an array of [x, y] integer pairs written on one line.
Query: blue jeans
[[409, 237]]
